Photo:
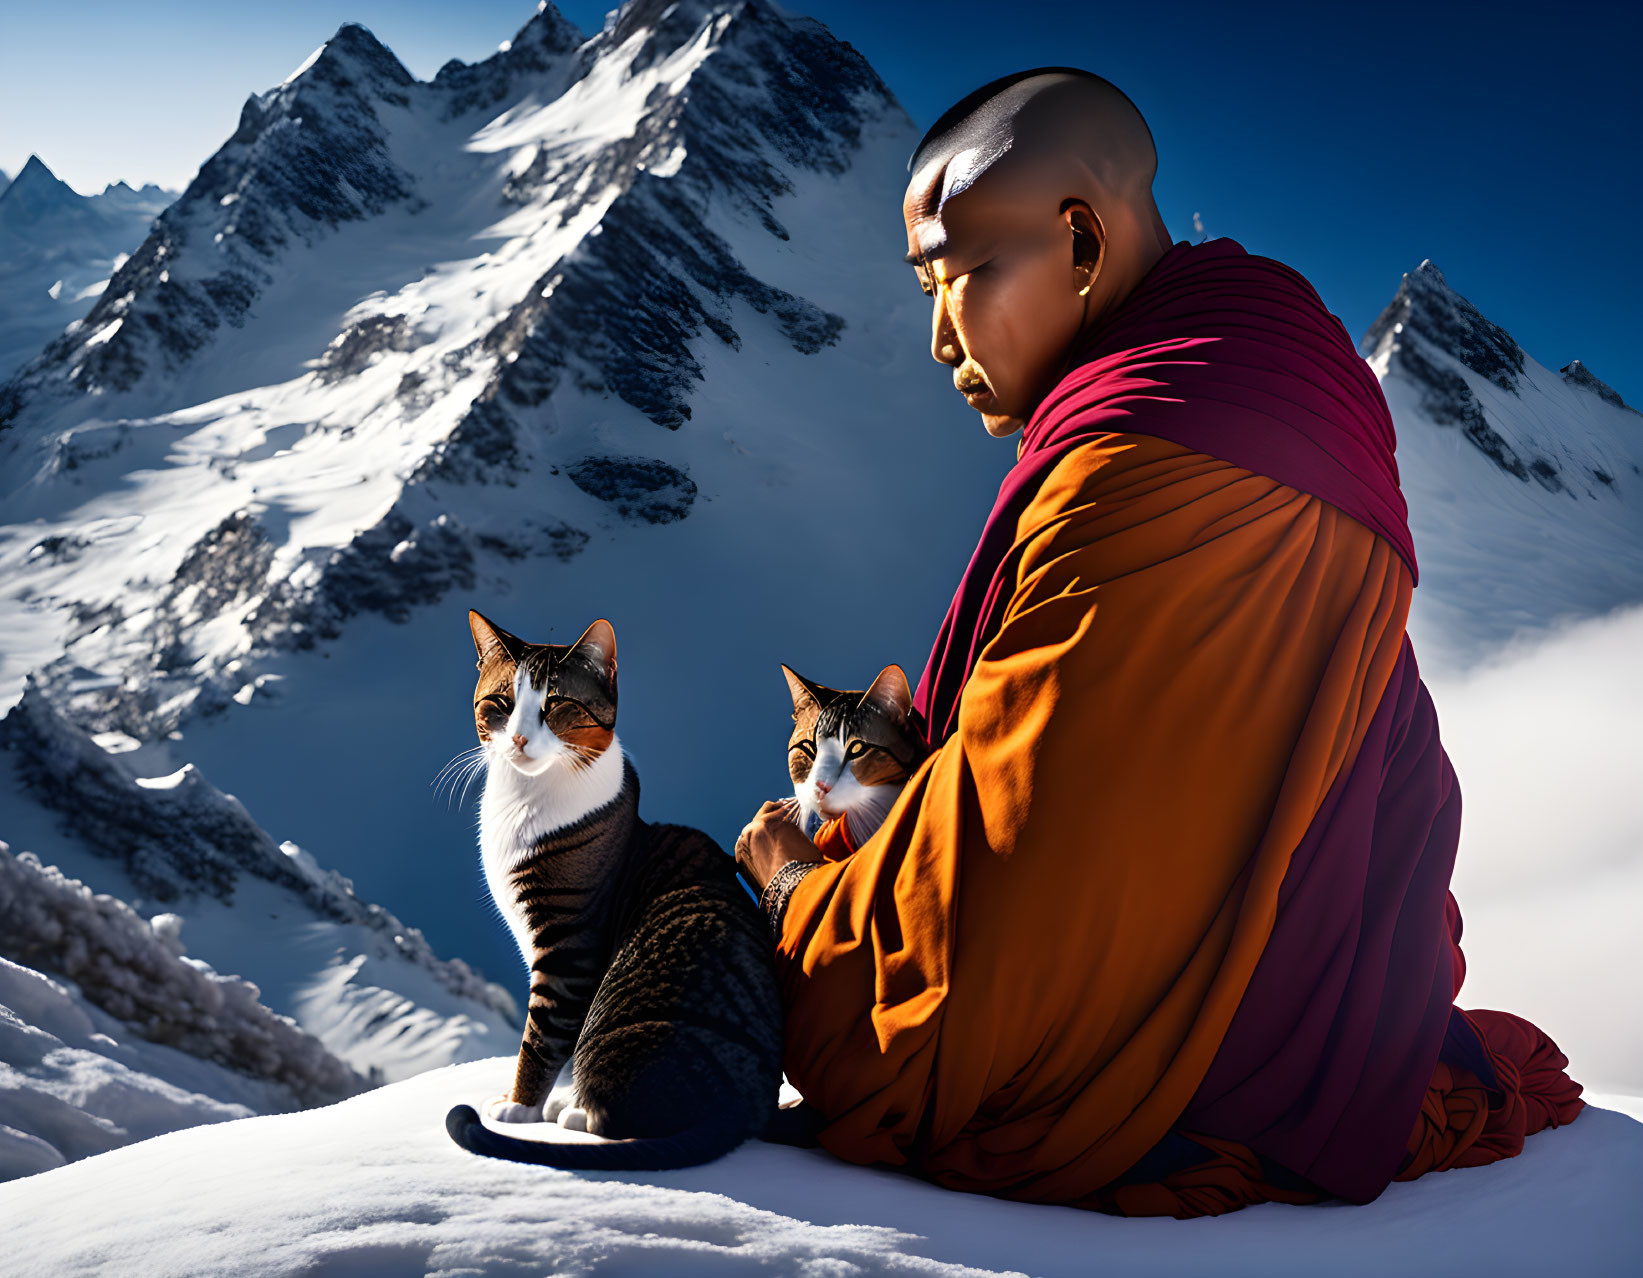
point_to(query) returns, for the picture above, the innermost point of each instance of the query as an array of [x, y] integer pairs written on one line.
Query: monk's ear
[[806, 695], [491, 640], [891, 694], [1089, 243]]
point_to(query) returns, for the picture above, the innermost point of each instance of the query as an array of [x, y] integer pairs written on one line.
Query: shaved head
[[1030, 217]]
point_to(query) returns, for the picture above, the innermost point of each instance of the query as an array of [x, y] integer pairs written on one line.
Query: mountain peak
[[37, 193], [1426, 304], [545, 40], [36, 175], [1577, 374], [1429, 273], [357, 44]]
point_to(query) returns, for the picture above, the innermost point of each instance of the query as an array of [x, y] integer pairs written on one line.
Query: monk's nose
[[945, 347]]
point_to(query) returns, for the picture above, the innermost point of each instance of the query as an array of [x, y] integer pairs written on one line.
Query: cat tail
[[647, 1153]]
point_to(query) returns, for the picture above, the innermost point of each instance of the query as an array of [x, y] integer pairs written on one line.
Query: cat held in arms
[[850, 754], [651, 978]]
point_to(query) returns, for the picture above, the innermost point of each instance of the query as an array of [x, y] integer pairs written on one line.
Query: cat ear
[[599, 642], [805, 693], [891, 693], [490, 639]]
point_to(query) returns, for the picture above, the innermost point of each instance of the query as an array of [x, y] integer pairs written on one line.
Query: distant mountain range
[[58, 250], [609, 326]]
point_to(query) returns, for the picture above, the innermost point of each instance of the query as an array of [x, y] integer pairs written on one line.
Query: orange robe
[[1018, 982]]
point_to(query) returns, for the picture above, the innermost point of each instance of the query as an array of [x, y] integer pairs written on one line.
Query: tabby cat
[[652, 986], [851, 752]]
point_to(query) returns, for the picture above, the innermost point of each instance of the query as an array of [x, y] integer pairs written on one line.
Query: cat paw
[[573, 1118], [500, 1109], [559, 1100]]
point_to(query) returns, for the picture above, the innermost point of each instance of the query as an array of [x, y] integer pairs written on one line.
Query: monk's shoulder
[[1112, 466]]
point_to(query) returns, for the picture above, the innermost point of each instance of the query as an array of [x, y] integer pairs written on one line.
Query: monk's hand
[[770, 840]]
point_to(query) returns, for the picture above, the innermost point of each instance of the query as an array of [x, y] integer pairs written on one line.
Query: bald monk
[[1162, 924]]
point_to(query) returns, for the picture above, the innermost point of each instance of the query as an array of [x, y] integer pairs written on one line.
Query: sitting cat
[[651, 972], [850, 754]]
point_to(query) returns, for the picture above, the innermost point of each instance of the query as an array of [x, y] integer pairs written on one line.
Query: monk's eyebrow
[[932, 246]]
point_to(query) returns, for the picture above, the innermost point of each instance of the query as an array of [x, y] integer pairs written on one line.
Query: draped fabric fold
[[1162, 925]]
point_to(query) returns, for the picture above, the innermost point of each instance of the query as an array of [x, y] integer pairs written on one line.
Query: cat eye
[[807, 747], [857, 749], [586, 717]]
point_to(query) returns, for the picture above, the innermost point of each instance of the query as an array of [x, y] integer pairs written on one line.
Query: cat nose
[[519, 739], [822, 786]]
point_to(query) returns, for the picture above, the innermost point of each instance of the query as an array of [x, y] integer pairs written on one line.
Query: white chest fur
[[517, 810]]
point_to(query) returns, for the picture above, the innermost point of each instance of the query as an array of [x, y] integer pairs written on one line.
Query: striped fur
[[650, 968]]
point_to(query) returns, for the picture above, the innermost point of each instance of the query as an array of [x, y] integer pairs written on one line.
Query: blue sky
[[1349, 141]]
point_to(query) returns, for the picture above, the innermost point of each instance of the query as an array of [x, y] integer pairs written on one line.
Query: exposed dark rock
[[393, 567], [543, 44], [1425, 303], [545, 538], [355, 348], [1577, 374], [641, 488], [1448, 400], [482, 448]]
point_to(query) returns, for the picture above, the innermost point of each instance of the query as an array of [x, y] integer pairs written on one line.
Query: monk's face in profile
[[1008, 267]]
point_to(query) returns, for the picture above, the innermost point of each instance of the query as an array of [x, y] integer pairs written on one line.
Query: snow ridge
[[179, 837], [136, 971]]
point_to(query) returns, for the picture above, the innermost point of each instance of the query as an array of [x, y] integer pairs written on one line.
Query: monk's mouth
[[972, 392]]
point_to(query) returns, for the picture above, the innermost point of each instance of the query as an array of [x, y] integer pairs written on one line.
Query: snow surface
[[373, 1185], [74, 1081], [136, 969]]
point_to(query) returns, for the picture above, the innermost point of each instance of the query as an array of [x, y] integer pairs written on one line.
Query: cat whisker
[[454, 769], [475, 771], [460, 772]]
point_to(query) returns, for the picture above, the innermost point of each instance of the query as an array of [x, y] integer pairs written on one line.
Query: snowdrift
[[373, 1185]]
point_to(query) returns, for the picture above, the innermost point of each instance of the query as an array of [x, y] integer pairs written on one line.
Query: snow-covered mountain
[[614, 327], [1525, 486], [57, 251]]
